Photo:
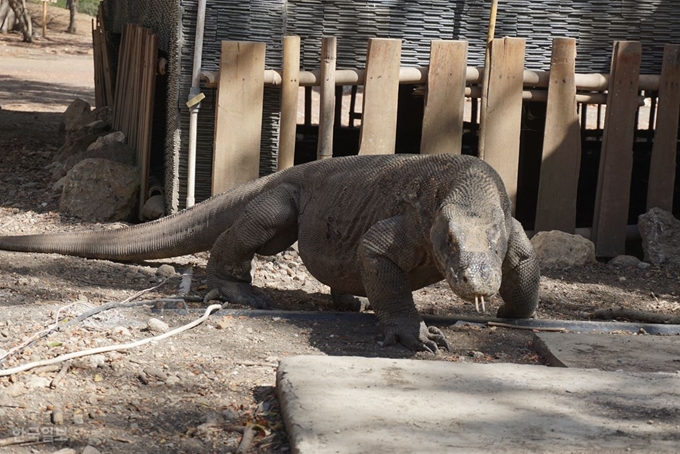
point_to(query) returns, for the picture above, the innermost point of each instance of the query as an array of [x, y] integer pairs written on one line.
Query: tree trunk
[[24, 19], [73, 9]]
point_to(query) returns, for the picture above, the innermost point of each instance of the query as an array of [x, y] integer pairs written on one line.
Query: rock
[[75, 142], [156, 372], [101, 190], [109, 139], [157, 326], [121, 331], [37, 382], [96, 361], [111, 150], [660, 233], [15, 390], [172, 380], [90, 450], [97, 125], [555, 249], [78, 419], [74, 115], [65, 451], [165, 271], [57, 415], [624, 260]]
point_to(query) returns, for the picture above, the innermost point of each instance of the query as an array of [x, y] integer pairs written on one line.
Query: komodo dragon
[[375, 226]]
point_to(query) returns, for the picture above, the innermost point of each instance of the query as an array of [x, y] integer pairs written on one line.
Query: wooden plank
[[445, 99], [561, 161], [96, 57], [381, 94], [663, 165], [238, 116], [148, 92], [289, 101], [324, 148], [120, 78], [501, 122], [616, 158], [104, 51]]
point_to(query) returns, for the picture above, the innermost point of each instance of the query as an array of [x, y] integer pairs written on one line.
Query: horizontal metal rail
[[418, 75]]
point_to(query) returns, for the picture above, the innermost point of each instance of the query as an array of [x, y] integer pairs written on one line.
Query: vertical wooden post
[[501, 119], [381, 96], [289, 101], [561, 162], [662, 167], [147, 94], [445, 99], [324, 148], [44, 18], [238, 116], [616, 158]]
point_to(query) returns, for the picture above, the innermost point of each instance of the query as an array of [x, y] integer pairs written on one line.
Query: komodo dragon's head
[[469, 246]]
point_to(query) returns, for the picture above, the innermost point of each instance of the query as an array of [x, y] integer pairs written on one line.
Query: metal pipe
[[194, 103], [439, 320], [418, 75]]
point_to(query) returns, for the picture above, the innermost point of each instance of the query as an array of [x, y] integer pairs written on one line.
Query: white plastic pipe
[[193, 114]]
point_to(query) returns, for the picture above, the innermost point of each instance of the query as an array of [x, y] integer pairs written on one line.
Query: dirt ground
[[200, 390]]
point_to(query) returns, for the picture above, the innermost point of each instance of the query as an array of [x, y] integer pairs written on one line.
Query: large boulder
[[556, 249], [101, 190], [660, 233], [76, 113]]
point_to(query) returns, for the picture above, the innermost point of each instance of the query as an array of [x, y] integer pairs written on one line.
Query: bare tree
[[23, 19], [73, 9]]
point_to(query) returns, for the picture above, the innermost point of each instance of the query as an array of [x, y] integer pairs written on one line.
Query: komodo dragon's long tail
[[189, 231]]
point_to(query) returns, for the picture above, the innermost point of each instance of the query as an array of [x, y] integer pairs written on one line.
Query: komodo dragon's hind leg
[[388, 251], [268, 225], [521, 276]]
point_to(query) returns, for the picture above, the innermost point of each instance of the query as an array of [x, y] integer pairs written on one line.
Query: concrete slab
[[377, 405], [610, 351]]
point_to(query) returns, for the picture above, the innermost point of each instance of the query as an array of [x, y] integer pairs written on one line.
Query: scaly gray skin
[[375, 226]]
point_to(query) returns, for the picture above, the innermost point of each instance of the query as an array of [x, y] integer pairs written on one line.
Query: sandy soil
[[200, 390]]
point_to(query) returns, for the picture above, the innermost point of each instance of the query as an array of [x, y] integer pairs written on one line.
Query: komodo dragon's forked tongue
[[375, 226]]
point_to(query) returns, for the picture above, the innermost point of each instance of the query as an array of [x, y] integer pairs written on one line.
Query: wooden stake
[[238, 116], [289, 101], [663, 165], [490, 34], [616, 159], [445, 100], [502, 111], [381, 96], [561, 162], [327, 105], [44, 18]]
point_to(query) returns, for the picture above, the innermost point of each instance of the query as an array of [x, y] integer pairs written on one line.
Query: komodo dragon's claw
[[427, 339], [239, 293]]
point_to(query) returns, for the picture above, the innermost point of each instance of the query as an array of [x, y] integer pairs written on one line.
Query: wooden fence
[[449, 80]]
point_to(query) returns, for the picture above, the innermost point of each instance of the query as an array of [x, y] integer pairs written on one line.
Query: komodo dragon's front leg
[[267, 226], [521, 276], [387, 253]]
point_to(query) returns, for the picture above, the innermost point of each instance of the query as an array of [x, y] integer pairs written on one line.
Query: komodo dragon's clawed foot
[[349, 303], [415, 337], [239, 293]]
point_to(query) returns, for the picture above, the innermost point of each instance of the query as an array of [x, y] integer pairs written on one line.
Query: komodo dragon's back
[[379, 226]]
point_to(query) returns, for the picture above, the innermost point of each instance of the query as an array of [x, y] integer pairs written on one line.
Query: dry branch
[[634, 315]]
